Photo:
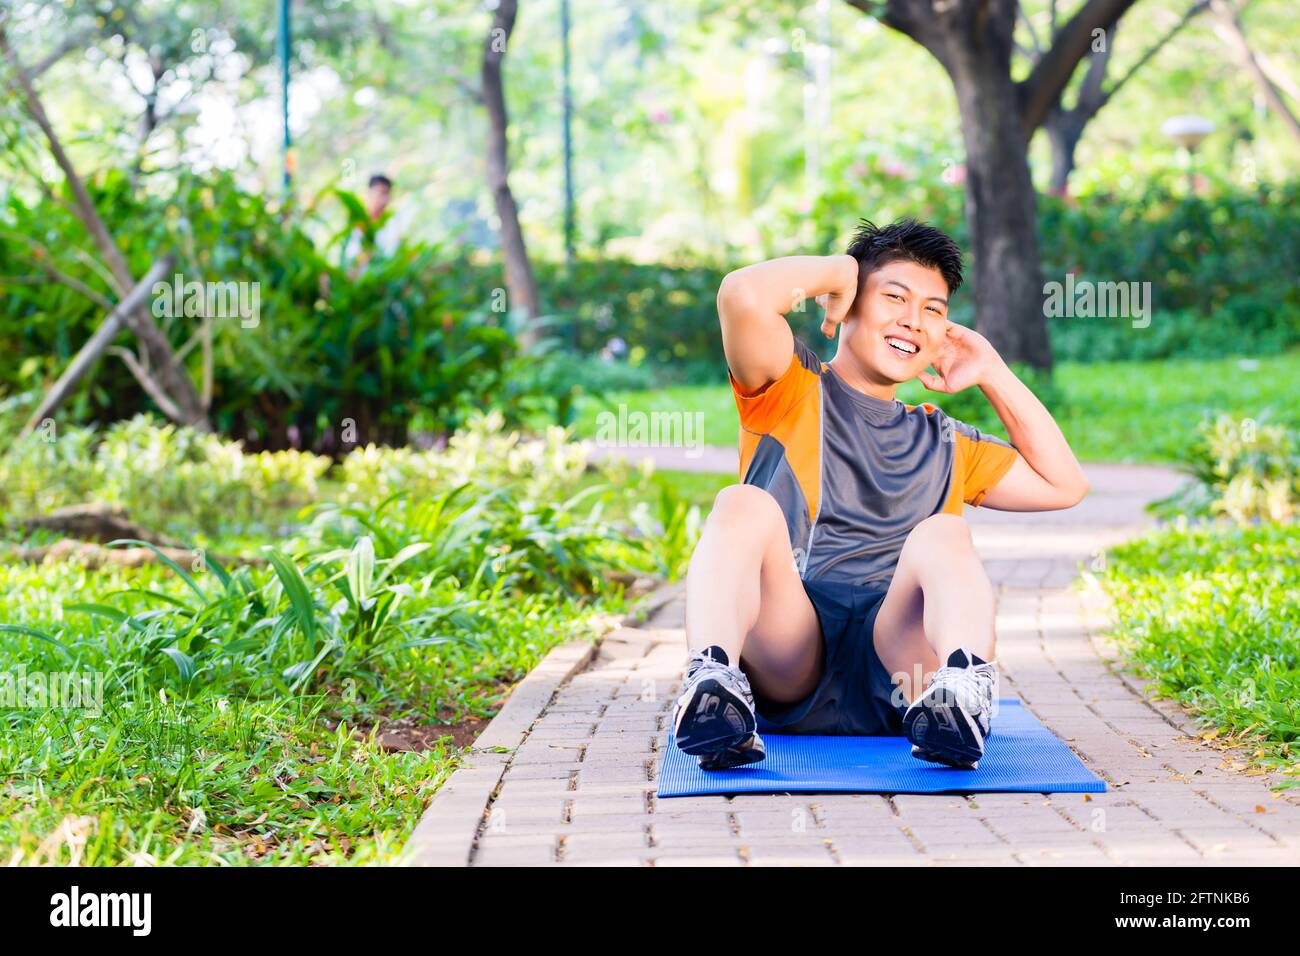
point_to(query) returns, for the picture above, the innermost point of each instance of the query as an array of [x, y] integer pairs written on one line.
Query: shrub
[[407, 336], [1245, 469], [171, 479], [482, 452]]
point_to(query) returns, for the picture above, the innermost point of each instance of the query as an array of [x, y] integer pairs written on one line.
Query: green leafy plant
[[1242, 468]]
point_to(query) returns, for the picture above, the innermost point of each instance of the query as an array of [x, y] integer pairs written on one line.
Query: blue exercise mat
[[1021, 756]]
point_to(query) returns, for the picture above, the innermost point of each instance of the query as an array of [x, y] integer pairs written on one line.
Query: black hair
[[380, 178], [874, 246]]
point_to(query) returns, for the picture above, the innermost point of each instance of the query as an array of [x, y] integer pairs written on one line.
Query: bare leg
[[939, 600], [744, 595]]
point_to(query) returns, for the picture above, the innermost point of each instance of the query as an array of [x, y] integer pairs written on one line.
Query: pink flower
[[895, 167]]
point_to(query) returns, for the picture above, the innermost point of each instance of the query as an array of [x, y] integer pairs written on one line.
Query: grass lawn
[[1142, 412], [1212, 616], [693, 488], [232, 766], [242, 708]]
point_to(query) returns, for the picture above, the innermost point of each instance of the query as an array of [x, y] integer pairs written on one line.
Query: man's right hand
[[836, 305], [753, 302]]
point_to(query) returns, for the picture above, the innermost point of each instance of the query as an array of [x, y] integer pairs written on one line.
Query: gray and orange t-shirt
[[855, 474]]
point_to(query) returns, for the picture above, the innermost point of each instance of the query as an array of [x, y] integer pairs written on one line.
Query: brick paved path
[[581, 788]]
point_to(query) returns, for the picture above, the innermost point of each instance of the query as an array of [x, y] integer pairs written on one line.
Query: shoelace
[[972, 686], [700, 662]]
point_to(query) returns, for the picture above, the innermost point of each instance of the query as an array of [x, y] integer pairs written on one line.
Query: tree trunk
[[973, 41], [521, 284], [1001, 206], [1064, 129], [96, 344], [166, 375]]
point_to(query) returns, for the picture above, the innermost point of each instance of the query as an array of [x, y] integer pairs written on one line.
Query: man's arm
[[1046, 475], [753, 302]]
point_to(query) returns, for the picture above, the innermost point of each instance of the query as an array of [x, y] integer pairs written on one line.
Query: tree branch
[[1051, 74], [96, 345], [70, 43], [1228, 24], [1194, 10], [151, 386], [1277, 75]]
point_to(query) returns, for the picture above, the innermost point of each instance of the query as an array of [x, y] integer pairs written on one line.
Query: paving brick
[[519, 787], [684, 857], [691, 804], [885, 843], [544, 752], [494, 840], [1210, 840], [1159, 849], [586, 805], [504, 816], [1083, 855], [793, 820], [589, 776], [606, 823], [1014, 821], [576, 844], [604, 859], [945, 836], [790, 856], [673, 843], [515, 856]]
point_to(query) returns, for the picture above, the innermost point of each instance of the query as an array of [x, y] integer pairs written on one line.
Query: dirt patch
[[402, 736], [410, 734]]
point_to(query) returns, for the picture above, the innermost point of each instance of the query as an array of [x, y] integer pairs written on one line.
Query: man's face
[[377, 199], [898, 321]]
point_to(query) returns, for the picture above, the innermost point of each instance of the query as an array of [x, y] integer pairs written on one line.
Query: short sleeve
[[985, 460], [760, 411]]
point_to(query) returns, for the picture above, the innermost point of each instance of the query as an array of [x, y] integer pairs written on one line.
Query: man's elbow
[[1075, 492], [733, 294]]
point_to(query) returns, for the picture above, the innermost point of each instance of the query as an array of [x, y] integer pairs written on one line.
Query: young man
[[379, 195], [837, 590]]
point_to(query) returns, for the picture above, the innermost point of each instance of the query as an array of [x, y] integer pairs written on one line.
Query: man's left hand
[[965, 358]]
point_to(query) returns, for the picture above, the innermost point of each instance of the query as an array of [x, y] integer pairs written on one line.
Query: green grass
[[222, 768], [1211, 614], [694, 488], [1142, 412], [237, 703]]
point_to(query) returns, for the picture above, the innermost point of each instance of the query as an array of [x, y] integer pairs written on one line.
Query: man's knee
[[945, 532], [746, 506]]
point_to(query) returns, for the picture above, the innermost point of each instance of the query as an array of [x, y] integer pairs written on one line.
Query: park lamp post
[[1188, 132], [285, 49]]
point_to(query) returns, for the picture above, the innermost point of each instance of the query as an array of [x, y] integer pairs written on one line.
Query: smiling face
[[896, 325]]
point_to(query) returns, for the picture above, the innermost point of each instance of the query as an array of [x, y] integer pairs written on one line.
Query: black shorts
[[854, 695]]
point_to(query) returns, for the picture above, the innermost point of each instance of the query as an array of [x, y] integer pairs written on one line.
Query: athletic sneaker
[[715, 717], [950, 721]]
